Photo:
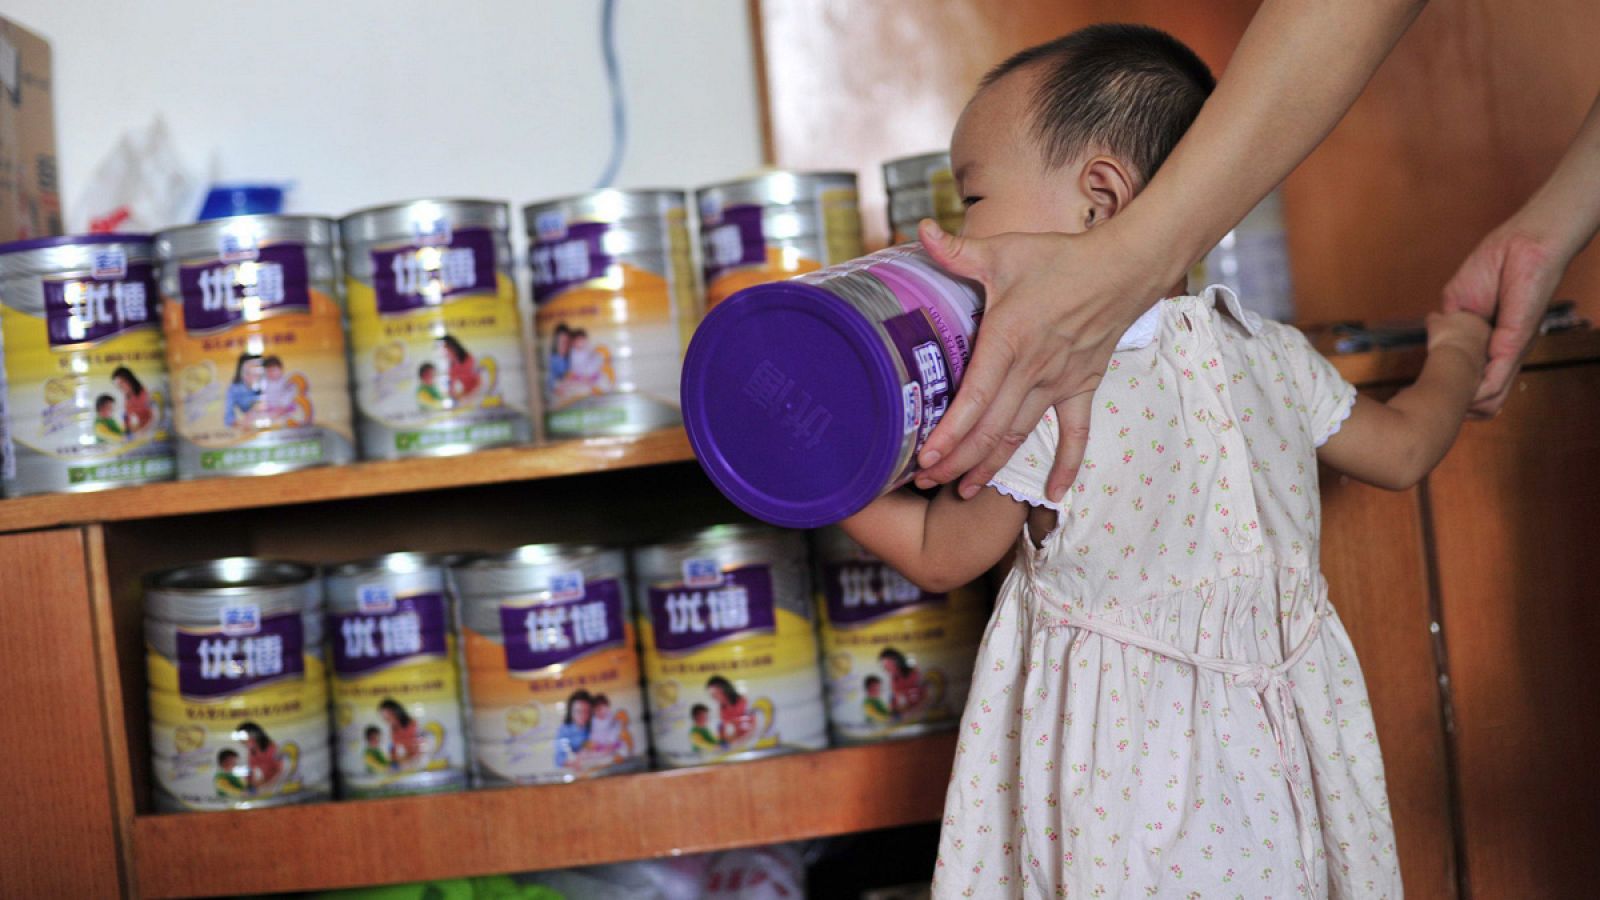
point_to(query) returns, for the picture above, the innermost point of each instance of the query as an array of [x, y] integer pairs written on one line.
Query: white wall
[[368, 101]]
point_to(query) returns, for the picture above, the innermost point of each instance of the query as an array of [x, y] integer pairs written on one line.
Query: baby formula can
[[806, 399], [435, 333], [83, 385], [776, 225], [255, 345], [898, 658], [238, 701], [396, 695], [921, 187], [730, 649], [551, 664], [614, 285]]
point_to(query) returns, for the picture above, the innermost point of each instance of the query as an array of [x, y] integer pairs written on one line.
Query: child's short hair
[[372, 732], [873, 681], [424, 370], [697, 709], [1130, 90], [226, 754], [272, 362], [103, 401]]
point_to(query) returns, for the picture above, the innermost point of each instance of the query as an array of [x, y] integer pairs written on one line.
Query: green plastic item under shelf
[[490, 887]]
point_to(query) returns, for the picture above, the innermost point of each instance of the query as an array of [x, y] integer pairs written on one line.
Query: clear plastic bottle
[[1253, 260]]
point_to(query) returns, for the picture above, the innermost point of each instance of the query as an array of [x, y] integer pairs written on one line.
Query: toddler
[[278, 393], [1164, 703]]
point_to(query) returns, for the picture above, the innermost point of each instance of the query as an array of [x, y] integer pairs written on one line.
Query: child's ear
[[1108, 185]]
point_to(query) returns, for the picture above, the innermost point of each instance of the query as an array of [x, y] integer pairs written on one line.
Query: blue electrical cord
[[619, 111]]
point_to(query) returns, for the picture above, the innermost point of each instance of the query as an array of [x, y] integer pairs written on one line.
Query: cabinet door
[[57, 837], [1515, 524], [1376, 563]]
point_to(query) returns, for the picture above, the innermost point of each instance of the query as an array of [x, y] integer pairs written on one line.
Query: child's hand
[[1464, 331]]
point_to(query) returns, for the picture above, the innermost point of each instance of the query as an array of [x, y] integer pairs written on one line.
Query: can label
[[438, 345], [610, 333], [899, 659], [86, 383], [737, 254], [397, 701], [730, 672], [257, 354], [239, 718], [557, 697]]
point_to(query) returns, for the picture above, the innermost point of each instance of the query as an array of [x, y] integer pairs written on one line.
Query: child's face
[[427, 376], [105, 409], [1001, 171], [700, 716], [372, 739], [874, 688], [274, 373]]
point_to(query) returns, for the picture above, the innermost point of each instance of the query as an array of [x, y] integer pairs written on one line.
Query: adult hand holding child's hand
[[1056, 305]]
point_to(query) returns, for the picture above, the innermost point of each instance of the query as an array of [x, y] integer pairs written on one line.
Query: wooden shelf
[[363, 479], [1380, 367], [330, 845]]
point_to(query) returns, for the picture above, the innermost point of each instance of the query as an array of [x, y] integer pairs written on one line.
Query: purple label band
[[918, 290], [416, 276], [685, 619], [550, 634], [212, 664], [366, 641], [87, 310], [923, 355], [218, 294], [734, 240], [578, 256], [859, 593]]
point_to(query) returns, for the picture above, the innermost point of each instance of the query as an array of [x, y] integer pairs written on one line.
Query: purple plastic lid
[[793, 404], [65, 240]]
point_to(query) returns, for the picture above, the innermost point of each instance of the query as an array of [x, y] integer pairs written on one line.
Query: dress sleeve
[[1322, 396], [1023, 476]]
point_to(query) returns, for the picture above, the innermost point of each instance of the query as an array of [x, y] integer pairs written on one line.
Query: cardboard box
[[30, 192]]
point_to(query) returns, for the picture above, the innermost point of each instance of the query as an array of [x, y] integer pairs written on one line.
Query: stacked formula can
[[775, 226], [238, 700], [729, 646], [83, 379], [921, 187], [435, 331], [255, 345], [396, 696], [551, 664], [614, 287]]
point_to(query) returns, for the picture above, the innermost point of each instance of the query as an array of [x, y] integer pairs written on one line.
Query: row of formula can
[[411, 673], [221, 348]]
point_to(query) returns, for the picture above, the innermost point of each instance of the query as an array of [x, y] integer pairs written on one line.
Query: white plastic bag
[[142, 185]]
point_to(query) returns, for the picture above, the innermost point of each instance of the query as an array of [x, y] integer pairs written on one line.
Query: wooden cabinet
[[1493, 550]]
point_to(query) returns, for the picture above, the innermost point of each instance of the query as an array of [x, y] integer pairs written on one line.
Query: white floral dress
[[1165, 704]]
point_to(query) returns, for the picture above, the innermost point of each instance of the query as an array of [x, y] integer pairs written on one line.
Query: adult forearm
[[1297, 70], [1564, 213]]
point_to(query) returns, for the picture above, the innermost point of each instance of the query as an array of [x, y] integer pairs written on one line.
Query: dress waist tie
[[1271, 681]]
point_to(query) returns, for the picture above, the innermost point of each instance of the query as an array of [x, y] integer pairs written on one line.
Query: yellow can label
[[240, 718], [729, 671], [437, 344], [396, 697], [85, 384], [897, 658]]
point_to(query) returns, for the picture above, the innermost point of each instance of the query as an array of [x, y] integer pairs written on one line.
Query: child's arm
[[1393, 445], [943, 543]]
